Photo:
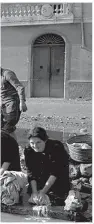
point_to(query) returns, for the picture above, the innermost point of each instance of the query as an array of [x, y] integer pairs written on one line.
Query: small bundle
[[73, 201], [12, 183]]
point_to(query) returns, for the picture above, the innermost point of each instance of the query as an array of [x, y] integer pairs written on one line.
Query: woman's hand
[[4, 167], [34, 198], [43, 198], [23, 106], [37, 198]]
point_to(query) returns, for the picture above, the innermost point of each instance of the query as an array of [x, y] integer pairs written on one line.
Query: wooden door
[[57, 71], [48, 70], [41, 72]]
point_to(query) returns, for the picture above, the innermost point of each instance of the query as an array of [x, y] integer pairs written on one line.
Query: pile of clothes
[[74, 202], [12, 184]]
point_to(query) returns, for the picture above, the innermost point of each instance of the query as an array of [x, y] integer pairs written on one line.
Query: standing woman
[[12, 100], [47, 168]]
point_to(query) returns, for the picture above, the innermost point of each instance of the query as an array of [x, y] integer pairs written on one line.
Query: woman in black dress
[[10, 158], [47, 167]]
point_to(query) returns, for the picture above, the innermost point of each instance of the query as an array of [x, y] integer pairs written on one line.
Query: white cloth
[[36, 200], [73, 201], [12, 182]]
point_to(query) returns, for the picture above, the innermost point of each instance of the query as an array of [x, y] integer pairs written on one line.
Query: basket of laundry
[[80, 148]]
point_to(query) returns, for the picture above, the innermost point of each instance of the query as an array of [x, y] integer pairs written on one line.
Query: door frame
[[49, 47], [66, 63]]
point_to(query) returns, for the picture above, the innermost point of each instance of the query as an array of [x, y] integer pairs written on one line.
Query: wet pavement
[[5, 217]]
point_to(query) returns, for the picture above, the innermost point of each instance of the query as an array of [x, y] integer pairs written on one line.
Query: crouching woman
[[47, 168]]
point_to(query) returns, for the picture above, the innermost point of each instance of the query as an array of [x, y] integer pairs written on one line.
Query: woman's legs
[[10, 115]]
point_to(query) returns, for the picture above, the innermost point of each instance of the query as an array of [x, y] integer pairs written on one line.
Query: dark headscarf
[[39, 133]]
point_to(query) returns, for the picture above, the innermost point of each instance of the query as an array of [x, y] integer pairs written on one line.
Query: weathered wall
[[80, 82], [85, 65], [79, 90], [75, 62], [88, 35], [81, 64], [16, 50], [87, 11], [82, 9]]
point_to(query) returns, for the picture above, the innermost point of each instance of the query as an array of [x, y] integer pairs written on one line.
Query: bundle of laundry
[[12, 183], [37, 200], [73, 202]]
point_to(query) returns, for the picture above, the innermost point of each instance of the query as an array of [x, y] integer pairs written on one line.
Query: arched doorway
[[48, 66]]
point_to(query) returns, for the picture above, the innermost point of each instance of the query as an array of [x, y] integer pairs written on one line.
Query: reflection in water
[[38, 219], [5, 217], [40, 213]]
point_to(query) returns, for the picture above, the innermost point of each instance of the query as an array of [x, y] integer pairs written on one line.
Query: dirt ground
[[59, 115]]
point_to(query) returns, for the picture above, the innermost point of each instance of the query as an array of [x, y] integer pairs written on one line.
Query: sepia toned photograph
[[46, 111]]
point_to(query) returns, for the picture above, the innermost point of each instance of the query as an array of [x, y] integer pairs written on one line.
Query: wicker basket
[[79, 154]]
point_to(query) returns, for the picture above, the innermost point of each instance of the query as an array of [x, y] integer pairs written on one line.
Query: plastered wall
[[17, 52]]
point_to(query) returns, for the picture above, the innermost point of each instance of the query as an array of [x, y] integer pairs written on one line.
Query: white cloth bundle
[[73, 201], [36, 200], [12, 182]]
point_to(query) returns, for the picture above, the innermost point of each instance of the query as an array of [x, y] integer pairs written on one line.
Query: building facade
[[49, 47]]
